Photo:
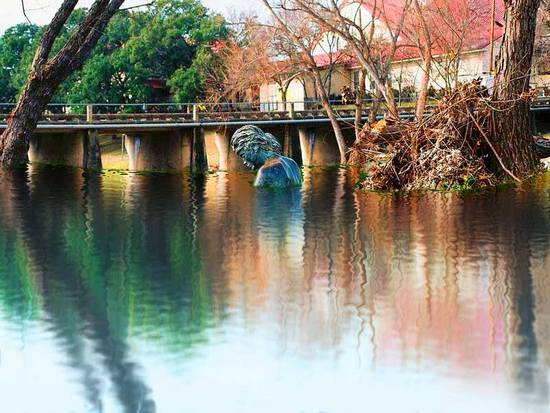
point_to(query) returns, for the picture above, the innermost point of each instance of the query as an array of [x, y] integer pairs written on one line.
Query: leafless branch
[[138, 6], [25, 11]]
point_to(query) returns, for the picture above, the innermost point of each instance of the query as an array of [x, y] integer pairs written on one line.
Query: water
[[123, 293]]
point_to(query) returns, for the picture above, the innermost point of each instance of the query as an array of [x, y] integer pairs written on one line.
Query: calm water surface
[[123, 293]]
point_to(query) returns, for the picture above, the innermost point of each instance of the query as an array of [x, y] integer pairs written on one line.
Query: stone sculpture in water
[[261, 150]]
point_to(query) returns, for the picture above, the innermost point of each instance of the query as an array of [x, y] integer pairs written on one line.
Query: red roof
[[453, 24], [387, 11], [341, 58]]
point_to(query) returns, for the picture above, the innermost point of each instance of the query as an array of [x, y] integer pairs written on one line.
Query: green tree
[[177, 35], [167, 43], [15, 43]]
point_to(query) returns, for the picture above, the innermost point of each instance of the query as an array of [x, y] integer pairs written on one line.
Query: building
[[457, 58]]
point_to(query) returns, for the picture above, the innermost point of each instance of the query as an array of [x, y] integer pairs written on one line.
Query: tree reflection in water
[[130, 272]]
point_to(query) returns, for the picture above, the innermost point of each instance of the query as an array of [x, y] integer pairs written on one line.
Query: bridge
[[191, 115], [167, 136]]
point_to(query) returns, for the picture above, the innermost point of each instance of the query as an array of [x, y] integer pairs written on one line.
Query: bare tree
[[374, 51], [253, 55], [454, 26], [289, 63], [359, 98], [47, 72], [242, 63], [304, 36], [417, 30]]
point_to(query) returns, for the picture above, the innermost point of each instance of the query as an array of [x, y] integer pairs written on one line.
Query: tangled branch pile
[[448, 150]]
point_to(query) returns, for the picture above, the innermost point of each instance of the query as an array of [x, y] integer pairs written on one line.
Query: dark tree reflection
[[141, 277]]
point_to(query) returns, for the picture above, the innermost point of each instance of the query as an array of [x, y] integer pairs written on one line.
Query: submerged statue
[[261, 150]]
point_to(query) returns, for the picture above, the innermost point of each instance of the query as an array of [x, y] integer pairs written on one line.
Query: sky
[[41, 11]]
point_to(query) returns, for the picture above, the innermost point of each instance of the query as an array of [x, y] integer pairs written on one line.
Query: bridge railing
[[205, 112], [193, 111]]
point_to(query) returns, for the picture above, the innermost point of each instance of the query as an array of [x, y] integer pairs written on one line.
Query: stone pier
[[318, 147], [221, 157], [219, 154], [80, 149], [180, 149], [159, 150]]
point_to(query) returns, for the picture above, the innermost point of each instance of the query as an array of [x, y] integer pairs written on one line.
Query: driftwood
[[450, 149]]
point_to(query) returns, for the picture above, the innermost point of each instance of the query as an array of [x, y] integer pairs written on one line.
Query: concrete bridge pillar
[[92, 151], [219, 154], [318, 147], [158, 151], [80, 149], [222, 142]]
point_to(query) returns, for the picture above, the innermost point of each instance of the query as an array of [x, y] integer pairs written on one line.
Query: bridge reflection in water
[[167, 293]]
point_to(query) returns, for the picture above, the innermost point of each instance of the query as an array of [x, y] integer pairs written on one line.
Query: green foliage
[[14, 44], [187, 83], [466, 183], [167, 43], [361, 179]]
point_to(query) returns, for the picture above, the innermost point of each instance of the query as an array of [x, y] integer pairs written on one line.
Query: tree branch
[[25, 11], [138, 6], [53, 30], [82, 41]]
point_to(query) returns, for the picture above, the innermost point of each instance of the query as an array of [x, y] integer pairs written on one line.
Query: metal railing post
[[89, 113], [291, 112]]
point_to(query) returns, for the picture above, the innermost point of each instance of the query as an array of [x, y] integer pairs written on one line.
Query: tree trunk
[[425, 46], [47, 74], [342, 146], [511, 126], [359, 95], [14, 143], [375, 106], [424, 84], [390, 102]]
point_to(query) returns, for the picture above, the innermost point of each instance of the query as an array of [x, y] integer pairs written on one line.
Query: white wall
[[353, 10], [472, 65], [271, 96]]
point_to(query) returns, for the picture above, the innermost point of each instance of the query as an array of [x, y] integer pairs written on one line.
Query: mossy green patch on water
[[469, 186]]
